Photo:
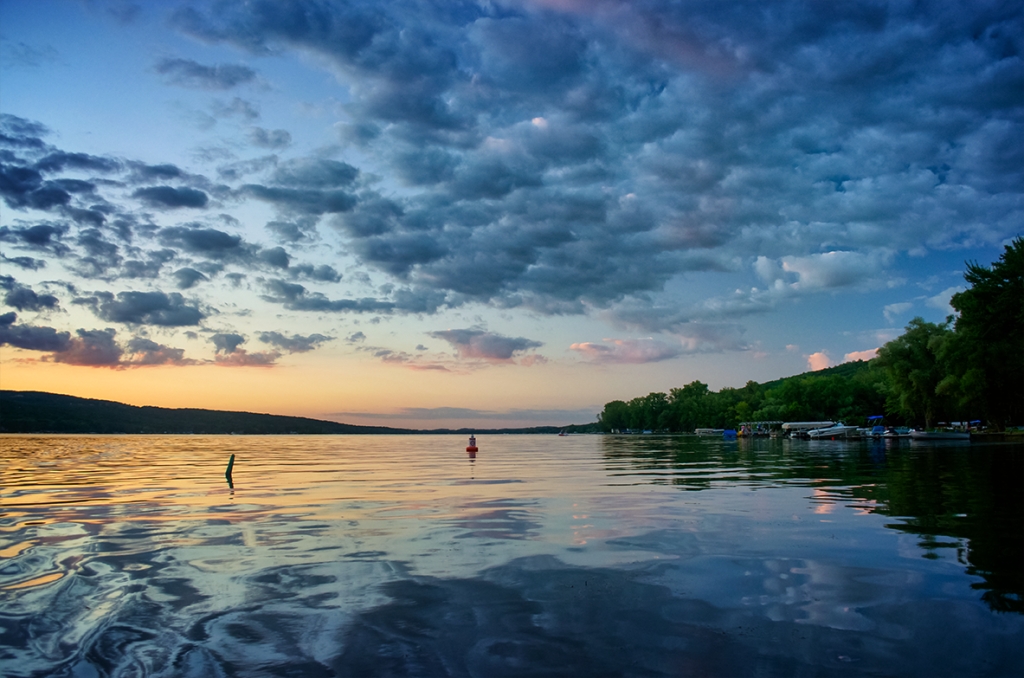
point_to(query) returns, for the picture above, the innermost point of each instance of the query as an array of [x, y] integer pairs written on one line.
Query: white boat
[[839, 430]]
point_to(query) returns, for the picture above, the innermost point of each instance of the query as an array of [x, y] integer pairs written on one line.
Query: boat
[[898, 432], [940, 435], [839, 430], [799, 429], [709, 431]]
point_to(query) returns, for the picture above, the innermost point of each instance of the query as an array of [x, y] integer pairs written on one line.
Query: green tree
[[915, 371], [614, 416], [985, 356], [687, 407]]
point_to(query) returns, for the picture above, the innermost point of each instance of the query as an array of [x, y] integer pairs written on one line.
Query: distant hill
[[39, 412]]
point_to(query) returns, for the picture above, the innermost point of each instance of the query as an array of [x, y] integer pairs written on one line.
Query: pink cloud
[[860, 355], [630, 351], [818, 361]]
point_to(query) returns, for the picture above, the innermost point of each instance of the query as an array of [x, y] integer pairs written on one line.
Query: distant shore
[[41, 412]]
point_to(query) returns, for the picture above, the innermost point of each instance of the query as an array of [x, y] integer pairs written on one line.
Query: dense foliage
[[970, 368], [851, 392], [973, 370]]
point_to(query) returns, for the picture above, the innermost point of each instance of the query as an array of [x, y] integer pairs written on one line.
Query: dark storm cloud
[[295, 343], [227, 342], [689, 135], [32, 338], [485, 345], [144, 308], [188, 73], [525, 155], [25, 298], [171, 198]]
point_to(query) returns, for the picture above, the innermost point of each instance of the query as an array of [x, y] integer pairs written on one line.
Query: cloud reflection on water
[[344, 560]]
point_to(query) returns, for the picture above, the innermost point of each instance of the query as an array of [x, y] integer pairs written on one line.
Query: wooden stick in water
[[227, 474]]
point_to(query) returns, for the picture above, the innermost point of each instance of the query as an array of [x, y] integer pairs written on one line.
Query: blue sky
[[495, 213]]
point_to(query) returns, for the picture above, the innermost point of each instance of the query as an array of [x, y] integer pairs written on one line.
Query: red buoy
[[472, 444]]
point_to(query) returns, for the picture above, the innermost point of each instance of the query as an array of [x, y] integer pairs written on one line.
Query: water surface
[[544, 555]]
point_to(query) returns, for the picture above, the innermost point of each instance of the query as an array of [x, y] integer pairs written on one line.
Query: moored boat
[[839, 430]]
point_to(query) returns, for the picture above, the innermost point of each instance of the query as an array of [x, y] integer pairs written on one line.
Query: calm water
[[544, 556]]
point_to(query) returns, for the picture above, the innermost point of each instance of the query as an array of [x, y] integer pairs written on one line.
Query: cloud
[[32, 338], [941, 300], [147, 353], [480, 345], [238, 108], [58, 161], [266, 138], [27, 263], [639, 163], [295, 343], [627, 351], [240, 358], [860, 355], [91, 348], [191, 74], [295, 297], [188, 277], [208, 242], [151, 308], [818, 361], [171, 198], [44, 237], [24, 298], [835, 269], [894, 311], [304, 201], [321, 273], [549, 416], [227, 342]]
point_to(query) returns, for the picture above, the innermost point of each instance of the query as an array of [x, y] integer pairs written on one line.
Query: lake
[[542, 556]]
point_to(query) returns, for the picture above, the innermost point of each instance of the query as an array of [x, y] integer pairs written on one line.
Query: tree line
[[968, 368]]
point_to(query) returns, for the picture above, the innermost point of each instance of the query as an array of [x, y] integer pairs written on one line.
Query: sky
[[488, 214]]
